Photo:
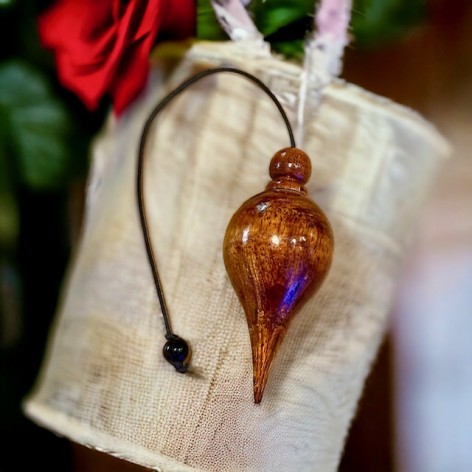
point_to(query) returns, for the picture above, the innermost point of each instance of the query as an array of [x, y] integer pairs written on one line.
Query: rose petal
[[104, 46]]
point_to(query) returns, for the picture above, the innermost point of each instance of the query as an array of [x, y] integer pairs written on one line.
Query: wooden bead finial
[[290, 163], [277, 251], [290, 169]]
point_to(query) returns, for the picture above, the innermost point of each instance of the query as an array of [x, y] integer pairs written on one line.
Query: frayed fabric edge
[[65, 426]]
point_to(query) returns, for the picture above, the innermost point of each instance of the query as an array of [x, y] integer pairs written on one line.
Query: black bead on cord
[[176, 350]]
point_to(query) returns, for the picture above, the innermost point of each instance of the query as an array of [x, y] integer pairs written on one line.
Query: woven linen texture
[[105, 383]]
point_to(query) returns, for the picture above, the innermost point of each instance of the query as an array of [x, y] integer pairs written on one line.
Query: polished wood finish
[[277, 251]]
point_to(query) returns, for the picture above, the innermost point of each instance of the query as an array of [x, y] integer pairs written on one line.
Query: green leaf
[[271, 15], [207, 25], [9, 218], [377, 22], [5, 4], [36, 126]]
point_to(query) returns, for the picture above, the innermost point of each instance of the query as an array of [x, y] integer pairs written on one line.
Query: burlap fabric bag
[[105, 383]]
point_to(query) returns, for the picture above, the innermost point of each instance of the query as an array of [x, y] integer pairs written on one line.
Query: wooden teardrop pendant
[[277, 251]]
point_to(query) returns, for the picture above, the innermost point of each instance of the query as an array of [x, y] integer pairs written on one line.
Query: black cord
[[170, 336]]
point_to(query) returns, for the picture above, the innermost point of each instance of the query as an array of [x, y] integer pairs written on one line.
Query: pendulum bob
[[277, 251]]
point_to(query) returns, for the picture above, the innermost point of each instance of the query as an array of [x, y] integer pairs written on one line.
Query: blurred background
[[416, 412]]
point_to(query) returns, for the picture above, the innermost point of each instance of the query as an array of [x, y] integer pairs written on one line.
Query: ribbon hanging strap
[[235, 20], [323, 54]]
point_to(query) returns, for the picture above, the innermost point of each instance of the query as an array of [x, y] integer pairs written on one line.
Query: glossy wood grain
[[277, 251]]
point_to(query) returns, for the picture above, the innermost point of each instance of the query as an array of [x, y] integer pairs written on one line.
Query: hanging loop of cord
[[176, 350]]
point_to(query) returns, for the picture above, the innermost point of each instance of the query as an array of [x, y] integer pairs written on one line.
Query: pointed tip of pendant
[[261, 374], [258, 392], [264, 346]]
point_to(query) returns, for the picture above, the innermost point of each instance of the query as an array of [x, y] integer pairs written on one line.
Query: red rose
[[102, 46]]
